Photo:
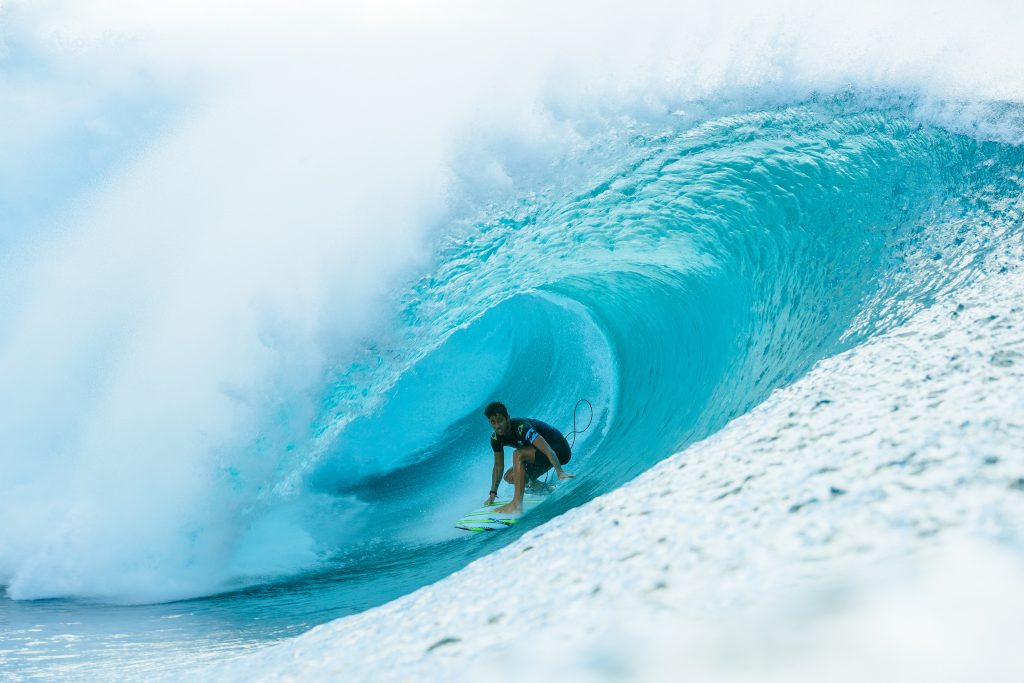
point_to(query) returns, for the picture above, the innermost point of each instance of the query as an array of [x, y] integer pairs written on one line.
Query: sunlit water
[[673, 269]]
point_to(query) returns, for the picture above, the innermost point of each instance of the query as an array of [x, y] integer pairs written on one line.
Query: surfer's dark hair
[[495, 408]]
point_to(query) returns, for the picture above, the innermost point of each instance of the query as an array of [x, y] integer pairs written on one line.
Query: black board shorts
[[540, 465]]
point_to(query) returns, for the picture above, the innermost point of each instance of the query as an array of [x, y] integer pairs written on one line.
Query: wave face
[[715, 261], [208, 386], [720, 261]]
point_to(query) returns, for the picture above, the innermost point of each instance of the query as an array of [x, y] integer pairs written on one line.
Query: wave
[[718, 262], [216, 401]]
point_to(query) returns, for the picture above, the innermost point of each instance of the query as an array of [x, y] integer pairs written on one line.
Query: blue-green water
[[711, 261]]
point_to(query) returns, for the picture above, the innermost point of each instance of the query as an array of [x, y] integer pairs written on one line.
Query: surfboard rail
[[486, 519]]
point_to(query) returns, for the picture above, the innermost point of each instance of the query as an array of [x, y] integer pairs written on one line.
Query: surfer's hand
[[490, 501], [564, 475]]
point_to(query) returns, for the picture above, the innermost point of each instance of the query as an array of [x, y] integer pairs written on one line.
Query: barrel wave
[[260, 273], [721, 262], [717, 259], [673, 273]]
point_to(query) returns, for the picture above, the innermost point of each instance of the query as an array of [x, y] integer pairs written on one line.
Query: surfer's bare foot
[[509, 509]]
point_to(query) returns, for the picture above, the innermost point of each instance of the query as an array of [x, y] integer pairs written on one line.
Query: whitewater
[[262, 267]]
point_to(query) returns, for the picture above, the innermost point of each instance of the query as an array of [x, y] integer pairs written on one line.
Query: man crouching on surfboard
[[539, 447]]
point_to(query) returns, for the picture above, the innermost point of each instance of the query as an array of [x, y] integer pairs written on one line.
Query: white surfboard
[[486, 519]]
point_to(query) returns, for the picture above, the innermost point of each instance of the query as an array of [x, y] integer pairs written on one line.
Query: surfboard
[[486, 519]]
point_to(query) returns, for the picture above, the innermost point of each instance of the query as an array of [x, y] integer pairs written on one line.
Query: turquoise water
[[259, 275], [692, 267]]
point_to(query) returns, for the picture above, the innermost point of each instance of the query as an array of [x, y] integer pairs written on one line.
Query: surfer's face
[[499, 423]]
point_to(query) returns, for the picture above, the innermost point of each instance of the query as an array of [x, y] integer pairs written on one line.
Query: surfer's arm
[[541, 445], [499, 468]]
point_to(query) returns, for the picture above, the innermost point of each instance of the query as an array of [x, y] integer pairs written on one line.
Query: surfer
[[539, 447]]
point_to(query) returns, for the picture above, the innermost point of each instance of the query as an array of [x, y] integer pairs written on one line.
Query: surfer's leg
[[520, 459]]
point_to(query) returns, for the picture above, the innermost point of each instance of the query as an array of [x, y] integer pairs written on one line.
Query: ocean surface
[[255, 296]]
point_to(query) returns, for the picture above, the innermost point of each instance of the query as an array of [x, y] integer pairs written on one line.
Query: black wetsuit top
[[523, 432]]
